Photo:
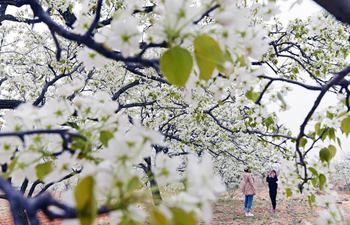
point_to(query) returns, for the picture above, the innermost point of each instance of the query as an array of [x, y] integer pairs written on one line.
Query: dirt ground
[[292, 211], [228, 210]]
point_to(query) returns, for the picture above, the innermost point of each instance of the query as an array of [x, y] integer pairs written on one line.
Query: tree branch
[[340, 9], [334, 81], [117, 94], [9, 104], [309, 87], [205, 14], [96, 19]]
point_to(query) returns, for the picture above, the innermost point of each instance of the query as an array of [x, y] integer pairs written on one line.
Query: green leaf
[[268, 121], [318, 128], [251, 95], [208, 55], [70, 8], [302, 142], [325, 134], [133, 184], [331, 133], [72, 124], [325, 155], [313, 171], [43, 169], [289, 192], [295, 70], [241, 61], [342, 114], [158, 218], [126, 220], [339, 142], [312, 135], [181, 217], [330, 115], [322, 180], [105, 136], [85, 201], [176, 65], [314, 181], [345, 125], [311, 199], [333, 150], [81, 144]]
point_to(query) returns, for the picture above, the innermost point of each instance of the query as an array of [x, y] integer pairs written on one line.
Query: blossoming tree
[[122, 93]]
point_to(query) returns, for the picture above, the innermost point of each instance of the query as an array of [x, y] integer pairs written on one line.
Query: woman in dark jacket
[[272, 180]]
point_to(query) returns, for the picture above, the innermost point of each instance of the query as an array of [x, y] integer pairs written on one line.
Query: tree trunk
[[157, 198]]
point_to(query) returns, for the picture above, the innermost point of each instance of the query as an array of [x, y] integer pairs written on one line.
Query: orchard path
[[228, 210], [292, 211]]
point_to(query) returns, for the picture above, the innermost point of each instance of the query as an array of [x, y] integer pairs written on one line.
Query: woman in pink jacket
[[248, 191]]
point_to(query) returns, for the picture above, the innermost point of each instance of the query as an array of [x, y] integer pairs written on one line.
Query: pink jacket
[[248, 184]]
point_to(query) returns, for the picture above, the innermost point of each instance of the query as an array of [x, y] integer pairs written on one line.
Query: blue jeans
[[248, 202]]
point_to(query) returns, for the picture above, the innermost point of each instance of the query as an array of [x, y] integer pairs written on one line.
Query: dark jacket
[[272, 182]]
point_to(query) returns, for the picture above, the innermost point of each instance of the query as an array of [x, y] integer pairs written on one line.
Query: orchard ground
[[228, 210], [293, 210]]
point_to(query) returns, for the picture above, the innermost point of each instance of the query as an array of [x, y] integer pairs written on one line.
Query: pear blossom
[[166, 168], [234, 18], [82, 24], [69, 88], [202, 181], [91, 59], [8, 148], [123, 35], [137, 213]]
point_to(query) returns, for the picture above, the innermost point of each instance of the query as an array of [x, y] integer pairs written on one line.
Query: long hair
[[274, 172]]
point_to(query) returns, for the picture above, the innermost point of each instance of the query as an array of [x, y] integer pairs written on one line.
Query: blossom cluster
[[108, 150]]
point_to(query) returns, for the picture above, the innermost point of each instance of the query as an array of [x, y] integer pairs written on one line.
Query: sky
[[301, 11]]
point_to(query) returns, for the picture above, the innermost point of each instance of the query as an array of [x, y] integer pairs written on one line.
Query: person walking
[[248, 190], [272, 179]]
